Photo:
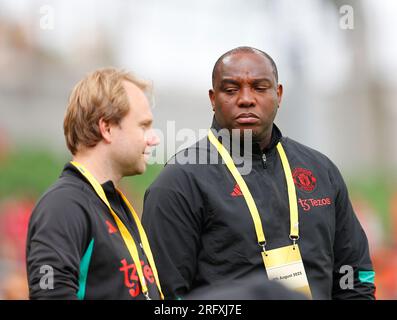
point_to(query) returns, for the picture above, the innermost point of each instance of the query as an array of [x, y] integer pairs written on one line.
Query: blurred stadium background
[[339, 93]]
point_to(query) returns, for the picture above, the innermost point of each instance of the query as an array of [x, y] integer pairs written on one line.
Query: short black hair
[[244, 49]]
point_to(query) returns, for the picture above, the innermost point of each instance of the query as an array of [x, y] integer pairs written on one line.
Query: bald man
[[268, 205]]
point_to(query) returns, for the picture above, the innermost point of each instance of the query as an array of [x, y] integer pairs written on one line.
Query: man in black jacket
[[85, 240], [268, 204]]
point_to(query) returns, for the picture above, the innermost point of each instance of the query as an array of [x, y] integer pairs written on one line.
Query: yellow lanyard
[[129, 241], [293, 205]]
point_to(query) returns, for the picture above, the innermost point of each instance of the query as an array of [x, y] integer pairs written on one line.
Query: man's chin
[[254, 139], [137, 170], [254, 130], [252, 134], [141, 169]]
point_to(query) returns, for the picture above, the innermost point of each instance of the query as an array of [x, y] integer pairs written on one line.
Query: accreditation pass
[[285, 265]]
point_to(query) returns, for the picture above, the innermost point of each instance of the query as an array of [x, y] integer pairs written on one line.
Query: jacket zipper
[[264, 161]]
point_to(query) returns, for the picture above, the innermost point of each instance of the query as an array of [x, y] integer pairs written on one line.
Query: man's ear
[[105, 129], [279, 93], [211, 94]]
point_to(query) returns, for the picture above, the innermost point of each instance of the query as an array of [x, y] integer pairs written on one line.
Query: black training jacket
[[73, 236], [201, 231]]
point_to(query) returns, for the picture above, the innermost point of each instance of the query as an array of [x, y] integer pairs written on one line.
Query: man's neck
[[101, 169], [265, 142], [266, 139]]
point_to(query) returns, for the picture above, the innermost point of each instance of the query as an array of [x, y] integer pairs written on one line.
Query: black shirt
[[73, 232], [202, 233]]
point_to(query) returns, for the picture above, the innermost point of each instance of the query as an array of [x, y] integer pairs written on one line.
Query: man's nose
[[152, 138], [246, 98]]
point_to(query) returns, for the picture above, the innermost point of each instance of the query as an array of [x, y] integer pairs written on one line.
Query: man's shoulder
[[299, 150], [194, 154], [64, 195], [66, 187], [186, 165]]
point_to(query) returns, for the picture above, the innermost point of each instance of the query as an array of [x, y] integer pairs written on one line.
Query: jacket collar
[[71, 170]]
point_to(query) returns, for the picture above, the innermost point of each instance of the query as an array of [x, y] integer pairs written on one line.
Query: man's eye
[[231, 90], [261, 89]]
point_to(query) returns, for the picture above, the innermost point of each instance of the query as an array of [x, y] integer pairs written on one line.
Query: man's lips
[[247, 118]]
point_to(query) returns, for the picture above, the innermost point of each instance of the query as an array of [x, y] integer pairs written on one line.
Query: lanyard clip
[[263, 245], [147, 295], [294, 240]]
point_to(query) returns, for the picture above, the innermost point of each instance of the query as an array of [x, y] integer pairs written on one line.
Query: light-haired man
[[85, 240]]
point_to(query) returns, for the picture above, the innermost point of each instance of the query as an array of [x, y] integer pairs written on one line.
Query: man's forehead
[[138, 101], [245, 63], [132, 89], [134, 93]]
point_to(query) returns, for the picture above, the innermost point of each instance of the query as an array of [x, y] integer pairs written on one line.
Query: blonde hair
[[100, 94]]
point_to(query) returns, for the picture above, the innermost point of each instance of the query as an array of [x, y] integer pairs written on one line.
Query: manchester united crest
[[304, 179]]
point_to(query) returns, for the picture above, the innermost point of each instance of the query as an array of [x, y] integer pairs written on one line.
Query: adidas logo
[[236, 191], [111, 228]]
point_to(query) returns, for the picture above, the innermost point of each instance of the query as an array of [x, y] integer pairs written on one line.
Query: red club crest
[[304, 179]]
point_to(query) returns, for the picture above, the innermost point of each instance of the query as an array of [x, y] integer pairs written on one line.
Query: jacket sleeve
[[353, 271], [171, 218], [57, 237]]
